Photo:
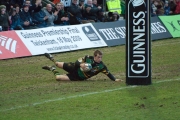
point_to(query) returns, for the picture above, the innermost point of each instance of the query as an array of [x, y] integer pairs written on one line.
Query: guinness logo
[[138, 39], [178, 22], [137, 3]]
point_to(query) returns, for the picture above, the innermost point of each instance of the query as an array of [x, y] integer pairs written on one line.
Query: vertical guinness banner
[[138, 42]]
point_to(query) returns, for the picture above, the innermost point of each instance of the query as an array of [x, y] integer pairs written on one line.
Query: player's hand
[[118, 80]]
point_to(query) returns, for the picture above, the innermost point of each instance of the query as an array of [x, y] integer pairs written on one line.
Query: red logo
[[11, 46]]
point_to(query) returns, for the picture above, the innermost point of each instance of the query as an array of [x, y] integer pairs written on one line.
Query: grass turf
[[28, 92]]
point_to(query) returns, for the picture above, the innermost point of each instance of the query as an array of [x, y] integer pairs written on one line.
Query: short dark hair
[[97, 52], [16, 5]]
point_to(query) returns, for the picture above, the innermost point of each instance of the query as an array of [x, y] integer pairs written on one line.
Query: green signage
[[172, 23]]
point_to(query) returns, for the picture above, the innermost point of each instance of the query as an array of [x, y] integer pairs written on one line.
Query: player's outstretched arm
[[113, 78]]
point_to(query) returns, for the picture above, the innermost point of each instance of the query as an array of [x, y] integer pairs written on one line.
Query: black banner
[[113, 33], [158, 30], [138, 42]]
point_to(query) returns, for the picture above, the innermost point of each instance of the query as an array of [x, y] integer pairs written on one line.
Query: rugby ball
[[88, 67]]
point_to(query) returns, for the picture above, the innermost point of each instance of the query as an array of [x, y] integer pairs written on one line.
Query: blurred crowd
[[165, 7], [31, 14]]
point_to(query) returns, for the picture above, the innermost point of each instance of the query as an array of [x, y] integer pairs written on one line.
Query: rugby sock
[[55, 72], [53, 60]]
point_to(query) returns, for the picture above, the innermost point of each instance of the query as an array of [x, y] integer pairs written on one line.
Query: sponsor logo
[[173, 26], [178, 22], [110, 33], [137, 3], [8, 43], [11, 46], [138, 39], [157, 27], [90, 33]]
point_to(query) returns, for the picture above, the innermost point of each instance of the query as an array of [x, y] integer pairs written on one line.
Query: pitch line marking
[[81, 95]]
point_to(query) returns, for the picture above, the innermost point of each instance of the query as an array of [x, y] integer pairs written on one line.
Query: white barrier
[[50, 40]]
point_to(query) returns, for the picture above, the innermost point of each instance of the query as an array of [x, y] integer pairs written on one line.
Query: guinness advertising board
[[138, 42]]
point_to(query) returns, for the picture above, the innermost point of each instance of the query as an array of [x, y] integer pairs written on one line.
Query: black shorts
[[72, 71]]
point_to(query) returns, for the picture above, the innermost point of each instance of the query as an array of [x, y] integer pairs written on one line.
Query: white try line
[[80, 95]]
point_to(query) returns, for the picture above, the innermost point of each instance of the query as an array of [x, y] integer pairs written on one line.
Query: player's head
[[98, 56]]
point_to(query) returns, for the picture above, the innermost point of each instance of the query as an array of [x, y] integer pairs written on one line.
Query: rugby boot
[[50, 68], [49, 56]]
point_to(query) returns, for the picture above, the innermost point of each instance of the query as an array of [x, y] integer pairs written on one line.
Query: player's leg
[[59, 64], [68, 67], [62, 78], [58, 76], [50, 57]]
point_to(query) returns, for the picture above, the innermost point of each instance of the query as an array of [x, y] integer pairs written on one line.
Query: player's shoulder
[[103, 64], [87, 56], [91, 57]]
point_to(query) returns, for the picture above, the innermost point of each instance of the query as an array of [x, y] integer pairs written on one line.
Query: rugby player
[[74, 69]]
